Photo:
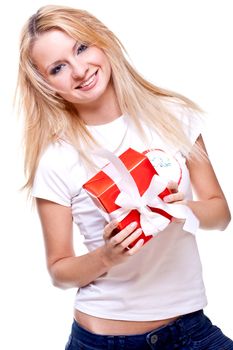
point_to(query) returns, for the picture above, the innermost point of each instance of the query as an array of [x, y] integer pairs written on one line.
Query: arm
[[211, 206], [68, 270]]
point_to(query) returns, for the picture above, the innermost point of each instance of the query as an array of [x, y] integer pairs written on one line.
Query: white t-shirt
[[164, 279]]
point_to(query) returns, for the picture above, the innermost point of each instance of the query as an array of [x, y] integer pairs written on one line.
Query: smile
[[87, 84]]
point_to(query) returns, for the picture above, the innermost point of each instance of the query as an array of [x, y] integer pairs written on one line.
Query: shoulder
[[59, 154], [190, 119], [58, 173], [184, 113]]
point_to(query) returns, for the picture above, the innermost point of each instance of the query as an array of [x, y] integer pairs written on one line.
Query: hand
[[116, 248], [175, 197]]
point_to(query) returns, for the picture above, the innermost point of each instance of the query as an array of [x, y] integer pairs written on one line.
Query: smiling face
[[78, 73]]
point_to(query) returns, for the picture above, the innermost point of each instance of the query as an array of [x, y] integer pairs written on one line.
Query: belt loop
[[182, 335], [110, 342], [174, 332], [121, 342], [180, 324]]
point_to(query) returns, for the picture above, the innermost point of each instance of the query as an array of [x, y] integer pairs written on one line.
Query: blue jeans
[[190, 332]]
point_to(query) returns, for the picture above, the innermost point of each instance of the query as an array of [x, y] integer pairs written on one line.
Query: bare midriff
[[105, 326]]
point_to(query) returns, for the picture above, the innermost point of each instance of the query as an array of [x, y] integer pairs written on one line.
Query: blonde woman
[[79, 94]]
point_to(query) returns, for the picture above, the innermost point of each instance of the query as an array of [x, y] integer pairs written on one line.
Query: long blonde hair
[[47, 115]]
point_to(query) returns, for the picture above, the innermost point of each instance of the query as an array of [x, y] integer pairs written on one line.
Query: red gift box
[[104, 191]]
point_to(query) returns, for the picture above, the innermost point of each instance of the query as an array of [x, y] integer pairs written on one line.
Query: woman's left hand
[[175, 197]]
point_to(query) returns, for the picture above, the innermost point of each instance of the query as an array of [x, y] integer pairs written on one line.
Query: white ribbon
[[129, 199]]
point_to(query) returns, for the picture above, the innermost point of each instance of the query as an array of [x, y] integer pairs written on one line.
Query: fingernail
[[139, 230], [133, 224], [114, 222], [167, 199], [140, 242]]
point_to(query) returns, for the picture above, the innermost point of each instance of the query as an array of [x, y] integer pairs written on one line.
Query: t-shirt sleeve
[[52, 178]]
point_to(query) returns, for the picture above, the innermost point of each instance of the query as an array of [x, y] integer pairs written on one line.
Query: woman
[[80, 94]]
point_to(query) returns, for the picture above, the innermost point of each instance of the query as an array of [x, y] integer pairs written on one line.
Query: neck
[[105, 110]]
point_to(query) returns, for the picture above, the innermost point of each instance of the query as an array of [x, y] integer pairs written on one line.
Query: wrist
[[106, 262]]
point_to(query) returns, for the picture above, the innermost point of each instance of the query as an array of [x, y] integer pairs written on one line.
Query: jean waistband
[[177, 330], [174, 330], [185, 322]]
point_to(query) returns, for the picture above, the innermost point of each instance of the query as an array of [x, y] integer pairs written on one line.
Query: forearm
[[78, 271], [212, 213]]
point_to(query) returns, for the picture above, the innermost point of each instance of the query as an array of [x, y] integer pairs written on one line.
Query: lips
[[89, 83]]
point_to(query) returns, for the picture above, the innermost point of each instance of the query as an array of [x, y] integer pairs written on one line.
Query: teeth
[[88, 82]]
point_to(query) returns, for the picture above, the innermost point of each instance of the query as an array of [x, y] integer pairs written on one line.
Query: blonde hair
[[47, 115]]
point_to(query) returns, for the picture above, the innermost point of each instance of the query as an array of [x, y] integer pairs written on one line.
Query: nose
[[79, 69]]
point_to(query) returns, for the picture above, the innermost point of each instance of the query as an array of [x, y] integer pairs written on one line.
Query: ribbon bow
[[130, 198]]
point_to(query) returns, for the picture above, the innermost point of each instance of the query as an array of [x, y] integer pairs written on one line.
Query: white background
[[182, 45]]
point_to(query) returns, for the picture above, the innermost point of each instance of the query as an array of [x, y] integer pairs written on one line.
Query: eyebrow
[[54, 64]]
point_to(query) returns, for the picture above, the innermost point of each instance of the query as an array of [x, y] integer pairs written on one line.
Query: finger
[[178, 221], [112, 225], [175, 197], [172, 186], [131, 238], [135, 248], [120, 237]]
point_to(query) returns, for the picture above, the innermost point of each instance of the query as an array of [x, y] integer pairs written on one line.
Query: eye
[[56, 69], [81, 48]]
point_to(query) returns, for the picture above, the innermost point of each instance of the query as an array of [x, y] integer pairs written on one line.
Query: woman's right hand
[[116, 248], [69, 270]]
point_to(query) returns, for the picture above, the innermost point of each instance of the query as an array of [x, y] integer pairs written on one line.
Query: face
[[78, 73]]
